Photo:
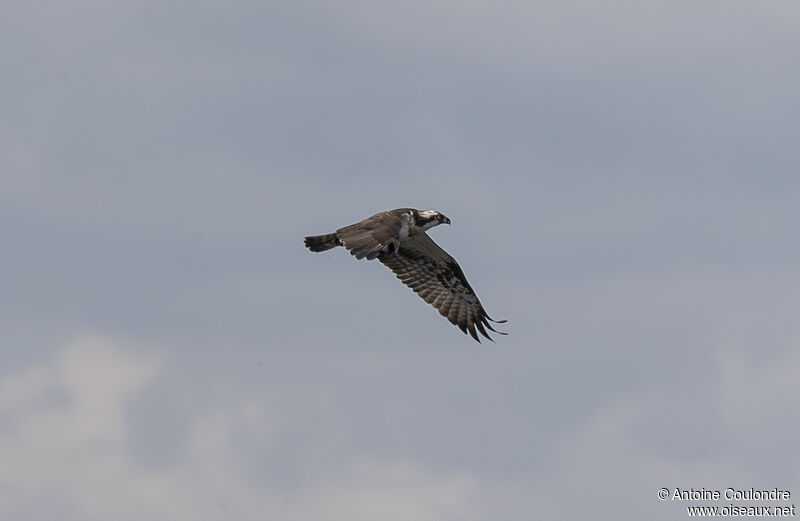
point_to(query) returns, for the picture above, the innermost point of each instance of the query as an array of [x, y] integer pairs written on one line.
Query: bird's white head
[[427, 219]]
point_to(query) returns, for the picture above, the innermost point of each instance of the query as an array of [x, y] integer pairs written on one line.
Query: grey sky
[[623, 183]]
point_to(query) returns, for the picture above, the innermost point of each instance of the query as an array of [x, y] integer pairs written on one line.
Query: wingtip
[[482, 329], [487, 324], [474, 333]]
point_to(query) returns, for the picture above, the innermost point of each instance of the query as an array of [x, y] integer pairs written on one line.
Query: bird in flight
[[397, 239]]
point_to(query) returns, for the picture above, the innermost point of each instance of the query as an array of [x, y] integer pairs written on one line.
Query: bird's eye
[[439, 217]]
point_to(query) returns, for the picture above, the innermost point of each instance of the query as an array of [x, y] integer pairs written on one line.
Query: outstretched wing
[[374, 235], [438, 279]]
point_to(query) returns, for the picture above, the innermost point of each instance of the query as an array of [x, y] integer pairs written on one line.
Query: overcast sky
[[623, 182]]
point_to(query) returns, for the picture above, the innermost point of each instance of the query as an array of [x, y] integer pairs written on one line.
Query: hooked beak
[[445, 220]]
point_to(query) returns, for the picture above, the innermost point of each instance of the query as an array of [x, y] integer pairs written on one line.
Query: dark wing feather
[[374, 235], [438, 279]]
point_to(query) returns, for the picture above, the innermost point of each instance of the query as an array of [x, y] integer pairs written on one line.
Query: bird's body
[[397, 239]]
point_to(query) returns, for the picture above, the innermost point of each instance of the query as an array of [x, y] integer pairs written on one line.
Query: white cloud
[[66, 447], [64, 434]]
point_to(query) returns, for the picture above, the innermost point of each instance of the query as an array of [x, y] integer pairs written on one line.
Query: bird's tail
[[317, 243]]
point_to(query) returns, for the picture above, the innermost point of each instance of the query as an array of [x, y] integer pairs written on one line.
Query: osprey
[[397, 238]]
